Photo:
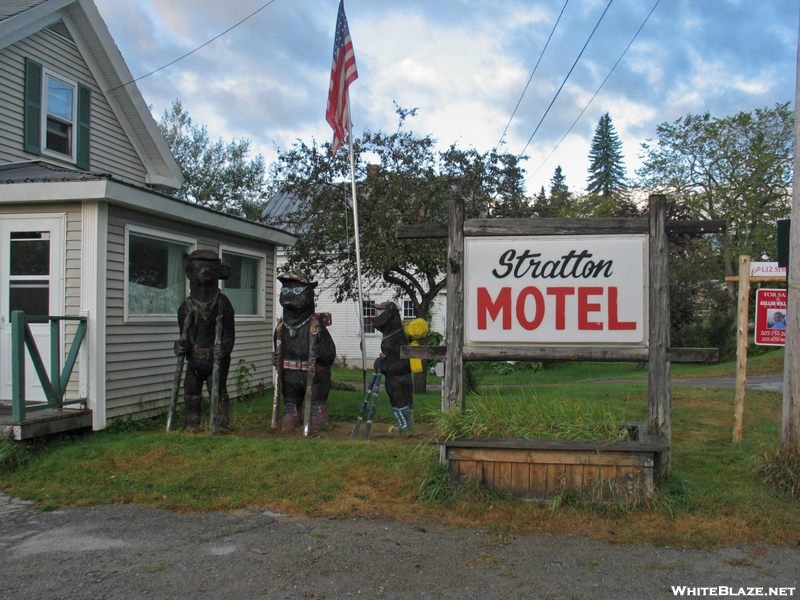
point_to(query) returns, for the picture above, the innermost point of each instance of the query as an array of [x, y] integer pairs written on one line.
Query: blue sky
[[464, 65]]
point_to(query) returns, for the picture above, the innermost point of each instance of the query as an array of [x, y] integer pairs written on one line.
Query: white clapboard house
[[345, 328], [87, 230]]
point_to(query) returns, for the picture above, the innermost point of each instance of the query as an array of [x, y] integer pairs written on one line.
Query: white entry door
[[31, 280]]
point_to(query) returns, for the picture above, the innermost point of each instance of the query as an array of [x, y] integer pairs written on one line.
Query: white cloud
[[464, 65]]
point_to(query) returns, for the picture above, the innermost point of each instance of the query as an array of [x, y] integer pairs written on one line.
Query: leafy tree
[[216, 174], [737, 168], [412, 184], [606, 171]]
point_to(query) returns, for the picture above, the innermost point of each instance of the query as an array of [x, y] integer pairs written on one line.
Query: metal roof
[[104, 186], [42, 171], [280, 206]]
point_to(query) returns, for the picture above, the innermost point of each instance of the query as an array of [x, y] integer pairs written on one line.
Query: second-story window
[[60, 115], [57, 116]]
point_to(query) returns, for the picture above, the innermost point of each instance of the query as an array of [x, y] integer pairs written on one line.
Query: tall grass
[[780, 470], [527, 416]]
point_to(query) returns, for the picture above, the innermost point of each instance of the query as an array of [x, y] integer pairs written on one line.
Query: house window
[[60, 115], [408, 310], [245, 282], [57, 115], [156, 281], [368, 314], [29, 272]]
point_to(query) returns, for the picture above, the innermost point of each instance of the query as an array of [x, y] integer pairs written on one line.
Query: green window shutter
[[84, 118], [33, 107]]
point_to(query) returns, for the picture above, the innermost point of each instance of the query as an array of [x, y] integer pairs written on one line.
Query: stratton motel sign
[[557, 290]]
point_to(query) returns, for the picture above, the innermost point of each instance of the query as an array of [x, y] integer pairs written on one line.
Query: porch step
[[42, 423]]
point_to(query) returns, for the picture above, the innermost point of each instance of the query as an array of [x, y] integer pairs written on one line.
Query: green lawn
[[713, 497]]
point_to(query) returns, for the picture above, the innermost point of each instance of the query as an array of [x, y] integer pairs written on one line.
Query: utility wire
[[567, 77], [598, 89], [532, 74], [169, 64]]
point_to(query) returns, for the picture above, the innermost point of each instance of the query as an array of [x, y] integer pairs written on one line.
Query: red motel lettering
[[589, 317]]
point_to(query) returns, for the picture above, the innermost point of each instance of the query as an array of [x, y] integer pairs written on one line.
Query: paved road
[[769, 383], [133, 552]]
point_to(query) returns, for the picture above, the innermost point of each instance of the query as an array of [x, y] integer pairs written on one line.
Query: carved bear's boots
[[404, 420], [192, 405], [223, 416], [319, 415], [292, 417]]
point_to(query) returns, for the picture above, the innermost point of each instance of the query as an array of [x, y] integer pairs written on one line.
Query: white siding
[[111, 150], [140, 363], [345, 328]]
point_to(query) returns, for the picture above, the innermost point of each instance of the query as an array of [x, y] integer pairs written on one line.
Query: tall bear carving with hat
[[303, 344], [203, 342]]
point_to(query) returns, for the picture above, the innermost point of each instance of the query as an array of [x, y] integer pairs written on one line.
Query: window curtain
[[148, 300], [245, 297], [176, 278]]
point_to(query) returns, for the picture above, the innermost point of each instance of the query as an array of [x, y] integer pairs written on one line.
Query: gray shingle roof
[[9, 8]]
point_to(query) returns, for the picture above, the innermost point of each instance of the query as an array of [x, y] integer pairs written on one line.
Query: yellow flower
[[417, 329]]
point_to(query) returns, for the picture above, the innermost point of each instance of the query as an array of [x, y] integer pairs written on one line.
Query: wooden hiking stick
[[176, 382], [276, 394], [312, 369], [213, 423]]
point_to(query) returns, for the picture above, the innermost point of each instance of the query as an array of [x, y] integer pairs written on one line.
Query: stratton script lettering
[[571, 265]]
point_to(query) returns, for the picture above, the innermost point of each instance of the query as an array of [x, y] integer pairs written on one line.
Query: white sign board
[[556, 290], [766, 269]]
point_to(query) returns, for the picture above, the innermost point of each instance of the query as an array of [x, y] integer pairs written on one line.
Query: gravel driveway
[[135, 552]]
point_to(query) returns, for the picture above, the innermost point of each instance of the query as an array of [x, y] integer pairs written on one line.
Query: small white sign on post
[[557, 290], [766, 269]]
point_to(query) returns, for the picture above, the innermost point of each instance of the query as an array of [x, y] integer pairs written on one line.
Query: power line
[[169, 64], [532, 74], [567, 77], [647, 18]]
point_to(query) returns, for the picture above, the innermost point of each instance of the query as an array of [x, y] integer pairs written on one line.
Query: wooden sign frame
[[658, 353]]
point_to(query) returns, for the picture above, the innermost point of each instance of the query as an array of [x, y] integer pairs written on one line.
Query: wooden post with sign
[[741, 346], [744, 279]]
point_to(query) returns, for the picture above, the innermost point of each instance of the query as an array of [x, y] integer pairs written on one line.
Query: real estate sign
[[557, 290], [770, 317]]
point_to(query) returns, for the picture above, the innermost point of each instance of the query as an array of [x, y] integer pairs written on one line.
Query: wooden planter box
[[621, 472]]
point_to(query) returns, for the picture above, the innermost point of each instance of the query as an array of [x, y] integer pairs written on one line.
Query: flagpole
[[358, 245]]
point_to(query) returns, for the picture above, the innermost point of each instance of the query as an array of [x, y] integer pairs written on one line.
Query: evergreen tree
[[558, 203], [606, 172]]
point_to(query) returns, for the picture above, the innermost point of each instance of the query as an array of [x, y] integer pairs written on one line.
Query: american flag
[[343, 73]]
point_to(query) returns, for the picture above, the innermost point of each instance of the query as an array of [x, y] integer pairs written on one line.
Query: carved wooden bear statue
[[205, 302], [297, 328], [396, 371]]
